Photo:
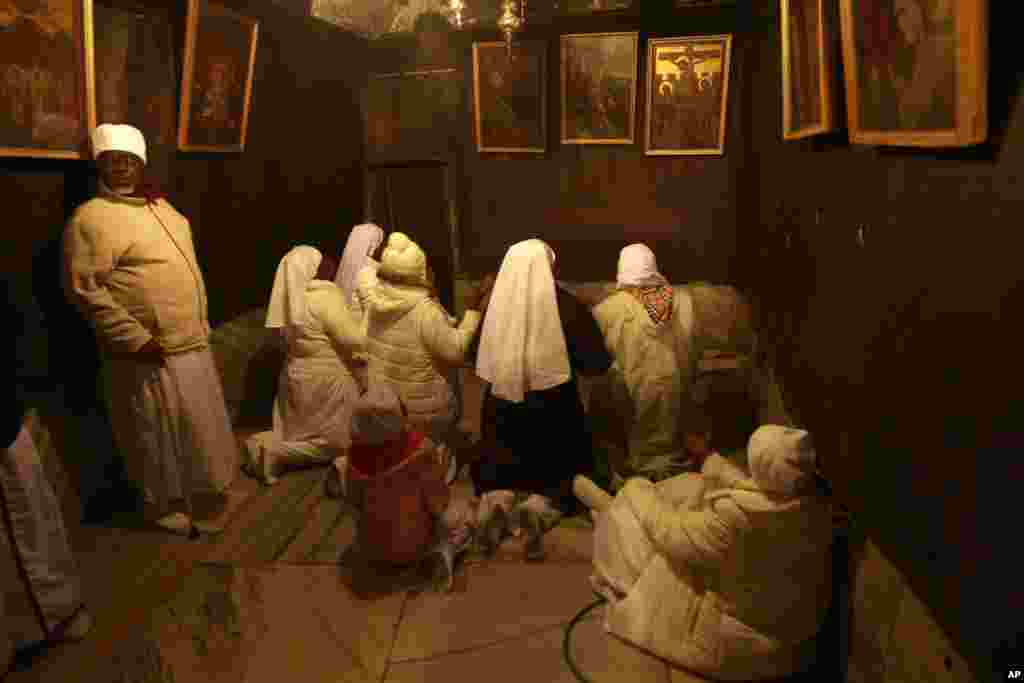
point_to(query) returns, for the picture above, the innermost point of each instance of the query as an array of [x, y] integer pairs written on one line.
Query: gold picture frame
[[136, 77], [921, 81], [687, 95], [221, 46], [48, 104], [523, 75], [808, 64], [584, 57]]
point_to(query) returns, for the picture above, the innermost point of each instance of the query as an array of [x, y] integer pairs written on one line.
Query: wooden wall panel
[[902, 354], [685, 208]]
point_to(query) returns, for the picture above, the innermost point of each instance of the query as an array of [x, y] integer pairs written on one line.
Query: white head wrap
[[522, 347], [404, 260], [288, 299], [362, 241], [638, 267], [781, 460], [111, 137], [377, 416]]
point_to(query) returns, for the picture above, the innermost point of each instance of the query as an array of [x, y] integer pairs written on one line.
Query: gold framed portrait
[[47, 94], [510, 97], [916, 71], [598, 78], [808, 65], [216, 85], [687, 95]]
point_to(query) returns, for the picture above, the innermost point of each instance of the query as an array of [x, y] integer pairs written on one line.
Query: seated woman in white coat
[[727, 573], [647, 325], [316, 390]]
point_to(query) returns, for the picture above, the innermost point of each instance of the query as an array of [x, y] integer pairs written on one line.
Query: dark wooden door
[[414, 199]]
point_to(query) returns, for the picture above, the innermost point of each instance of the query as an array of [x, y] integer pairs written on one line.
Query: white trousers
[[172, 426], [34, 531], [268, 455]]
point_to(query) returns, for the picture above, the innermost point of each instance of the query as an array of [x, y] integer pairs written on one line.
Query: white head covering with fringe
[[638, 267]]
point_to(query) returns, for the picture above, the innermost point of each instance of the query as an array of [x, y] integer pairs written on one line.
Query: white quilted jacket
[[413, 344], [733, 585]]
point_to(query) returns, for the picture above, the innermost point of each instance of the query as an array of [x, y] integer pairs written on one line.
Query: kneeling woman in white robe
[[647, 325], [726, 573], [316, 390]]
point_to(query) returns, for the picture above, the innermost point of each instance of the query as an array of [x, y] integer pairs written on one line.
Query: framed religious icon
[[916, 71], [136, 77], [216, 82], [509, 96], [411, 115], [598, 74], [588, 6], [807, 69], [47, 105], [687, 94]]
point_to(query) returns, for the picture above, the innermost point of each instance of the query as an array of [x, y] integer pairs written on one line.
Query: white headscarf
[[522, 347], [781, 460], [288, 305], [362, 241], [638, 268]]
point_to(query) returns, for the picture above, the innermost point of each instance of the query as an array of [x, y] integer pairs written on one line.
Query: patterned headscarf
[[638, 274]]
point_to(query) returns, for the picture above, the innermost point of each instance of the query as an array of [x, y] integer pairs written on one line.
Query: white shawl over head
[[638, 268], [522, 347], [288, 305], [362, 241]]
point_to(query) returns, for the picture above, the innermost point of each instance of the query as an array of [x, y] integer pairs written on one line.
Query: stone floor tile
[[492, 601]]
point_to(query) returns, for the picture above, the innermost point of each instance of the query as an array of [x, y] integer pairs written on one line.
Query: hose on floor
[[566, 642]]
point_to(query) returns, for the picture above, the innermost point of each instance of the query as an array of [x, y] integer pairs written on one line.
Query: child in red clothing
[[396, 478]]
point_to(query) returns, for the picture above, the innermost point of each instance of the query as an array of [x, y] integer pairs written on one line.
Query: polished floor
[[266, 600]]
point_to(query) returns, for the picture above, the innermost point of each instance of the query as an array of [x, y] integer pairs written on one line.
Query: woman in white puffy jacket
[[316, 390], [412, 343], [726, 573]]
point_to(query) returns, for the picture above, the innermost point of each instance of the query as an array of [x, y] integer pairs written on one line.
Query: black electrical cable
[[566, 650]]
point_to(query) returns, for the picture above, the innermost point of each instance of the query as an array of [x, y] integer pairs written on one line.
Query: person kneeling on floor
[[396, 477]]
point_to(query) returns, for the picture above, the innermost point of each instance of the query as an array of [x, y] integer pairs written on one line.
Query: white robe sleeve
[[695, 538], [441, 338], [90, 256], [327, 304]]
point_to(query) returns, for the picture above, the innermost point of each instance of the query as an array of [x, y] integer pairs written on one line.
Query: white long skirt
[[171, 423], [35, 533]]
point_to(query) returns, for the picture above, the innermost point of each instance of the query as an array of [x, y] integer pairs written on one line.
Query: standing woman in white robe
[[316, 390], [131, 270], [30, 514], [647, 326]]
